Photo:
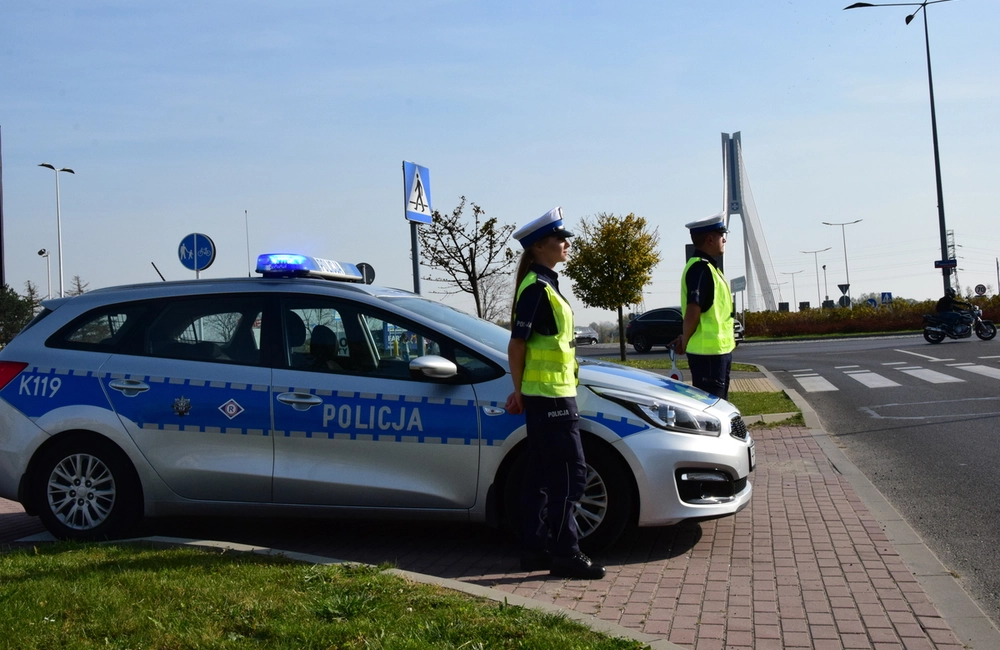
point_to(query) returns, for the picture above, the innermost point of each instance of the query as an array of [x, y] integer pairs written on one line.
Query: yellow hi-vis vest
[[715, 328], [550, 361]]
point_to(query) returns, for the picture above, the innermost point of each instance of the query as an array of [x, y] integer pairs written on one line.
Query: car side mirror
[[433, 366]]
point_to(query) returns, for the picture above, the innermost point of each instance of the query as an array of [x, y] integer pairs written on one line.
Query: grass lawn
[[137, 596]]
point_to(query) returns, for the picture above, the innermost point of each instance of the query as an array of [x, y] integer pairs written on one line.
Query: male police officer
[[543, 369], [707, 306]]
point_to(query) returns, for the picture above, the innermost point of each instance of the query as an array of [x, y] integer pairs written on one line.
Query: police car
[[307, 392]]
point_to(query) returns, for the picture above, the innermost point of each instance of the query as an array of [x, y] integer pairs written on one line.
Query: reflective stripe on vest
[[715, 328], [550, 361]]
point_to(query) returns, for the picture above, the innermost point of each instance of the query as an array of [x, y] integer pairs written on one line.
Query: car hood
[[613, 375]]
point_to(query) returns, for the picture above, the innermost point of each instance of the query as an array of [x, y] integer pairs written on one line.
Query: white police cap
[[715, 223], [550, 223]]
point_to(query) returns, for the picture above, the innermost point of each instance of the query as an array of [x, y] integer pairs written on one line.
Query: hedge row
[[895, 317]]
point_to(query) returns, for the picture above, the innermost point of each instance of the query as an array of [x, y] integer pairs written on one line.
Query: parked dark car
[[654, 327], [585, 335], [661, 327]]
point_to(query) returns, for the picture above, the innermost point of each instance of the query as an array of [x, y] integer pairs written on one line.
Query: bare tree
[[32, 296], [77, 287], [497, 297], [467, 255]]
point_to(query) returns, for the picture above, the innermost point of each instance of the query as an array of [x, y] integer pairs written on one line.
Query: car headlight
[[663, 414]]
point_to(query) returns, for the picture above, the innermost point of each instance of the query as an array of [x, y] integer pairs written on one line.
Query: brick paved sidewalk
[[806, 565]]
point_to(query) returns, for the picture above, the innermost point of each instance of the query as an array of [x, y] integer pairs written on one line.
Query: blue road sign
[[417, 192], [886, 297], [196, 252]]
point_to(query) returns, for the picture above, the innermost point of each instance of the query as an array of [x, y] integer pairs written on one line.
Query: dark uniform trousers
[[710, 372], [555, 476]]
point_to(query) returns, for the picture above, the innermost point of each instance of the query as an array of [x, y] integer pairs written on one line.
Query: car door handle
[[129, 387], [493, 410], [300, 401]]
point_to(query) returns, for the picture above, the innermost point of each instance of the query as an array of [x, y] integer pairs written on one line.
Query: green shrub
[[899, 316]]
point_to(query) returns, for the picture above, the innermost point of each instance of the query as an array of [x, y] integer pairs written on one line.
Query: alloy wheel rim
[[81, 492], [593, 505]]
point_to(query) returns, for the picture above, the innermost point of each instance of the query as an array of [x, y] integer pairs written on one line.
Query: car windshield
[[485, 332]]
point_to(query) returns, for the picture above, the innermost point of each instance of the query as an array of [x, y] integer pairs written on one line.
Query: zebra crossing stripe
[[815, 384], [987, 371], [931, 376], [872, 380]]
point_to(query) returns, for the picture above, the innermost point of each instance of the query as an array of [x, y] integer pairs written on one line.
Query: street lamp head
[[910, 18], [43, 253], [52, 167], [858, 5]]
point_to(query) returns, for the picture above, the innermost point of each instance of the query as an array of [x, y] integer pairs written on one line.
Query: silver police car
[[306, 392]]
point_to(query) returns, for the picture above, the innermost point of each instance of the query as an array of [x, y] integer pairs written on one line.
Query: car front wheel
[[85, 488], [641, 343], [606, 507]]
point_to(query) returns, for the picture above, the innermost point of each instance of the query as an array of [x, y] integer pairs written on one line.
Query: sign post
[[416, 209]]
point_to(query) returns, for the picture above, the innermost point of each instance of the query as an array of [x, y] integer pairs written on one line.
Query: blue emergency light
[[283, 265]]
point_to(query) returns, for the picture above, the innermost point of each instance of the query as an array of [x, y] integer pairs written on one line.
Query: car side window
[[101, 329], [218, 329], [335, 337]]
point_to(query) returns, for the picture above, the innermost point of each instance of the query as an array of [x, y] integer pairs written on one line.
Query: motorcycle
[[937, 328]]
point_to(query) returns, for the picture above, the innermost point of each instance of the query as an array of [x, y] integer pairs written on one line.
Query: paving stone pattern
[[806, 565]]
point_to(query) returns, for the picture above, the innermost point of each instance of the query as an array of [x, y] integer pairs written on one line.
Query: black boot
[[577, 566]]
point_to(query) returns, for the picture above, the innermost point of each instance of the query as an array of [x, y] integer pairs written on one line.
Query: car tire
[[641, 343], [608, 505], [86, 489]]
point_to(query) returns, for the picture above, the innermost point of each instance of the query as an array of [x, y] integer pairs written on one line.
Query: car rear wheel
[[641, 343], [85, 488]]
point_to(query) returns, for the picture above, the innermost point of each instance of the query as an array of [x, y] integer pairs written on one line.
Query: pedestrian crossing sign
[[417, 192]]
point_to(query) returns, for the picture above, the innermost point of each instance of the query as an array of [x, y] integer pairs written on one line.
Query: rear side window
[[219, 329], [102, 329]]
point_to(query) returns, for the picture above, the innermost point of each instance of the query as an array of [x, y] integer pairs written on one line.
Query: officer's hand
[[678, 345], [515, 404]]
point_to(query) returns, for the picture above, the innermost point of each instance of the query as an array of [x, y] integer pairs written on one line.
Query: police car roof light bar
[[283, 265]]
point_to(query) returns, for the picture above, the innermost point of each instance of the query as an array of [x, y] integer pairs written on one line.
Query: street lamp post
[[826, 287], [795, 300], [847, 269], [945, 271], [815, 254], [59, 221], [48, 272]]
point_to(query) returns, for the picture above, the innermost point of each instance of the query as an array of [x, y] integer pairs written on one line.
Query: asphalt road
[[922, 423]]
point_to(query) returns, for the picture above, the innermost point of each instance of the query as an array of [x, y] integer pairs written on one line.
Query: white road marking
[[872, 380], [932, 376], [983, 370], [844, 367], [894, 363], [923, 356], [815, 384]]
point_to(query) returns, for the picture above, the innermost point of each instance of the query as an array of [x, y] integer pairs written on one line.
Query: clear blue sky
[[179, 116]]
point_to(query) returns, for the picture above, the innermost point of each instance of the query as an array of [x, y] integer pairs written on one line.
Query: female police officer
[[543, 368]]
